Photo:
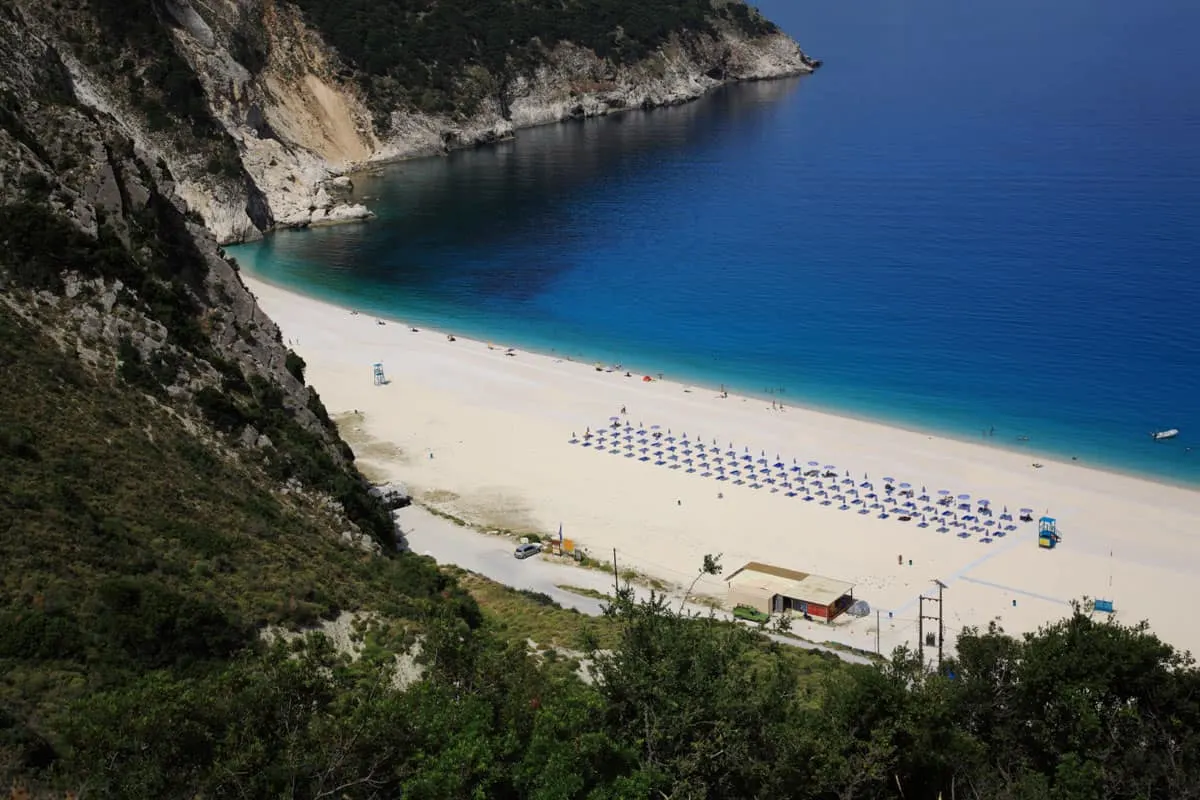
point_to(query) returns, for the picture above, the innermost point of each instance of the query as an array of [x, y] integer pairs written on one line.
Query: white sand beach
[[485, 436]]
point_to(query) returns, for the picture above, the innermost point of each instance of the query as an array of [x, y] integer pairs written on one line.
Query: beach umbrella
[[848, 481], [943, 492], [762, 460], [830, 467], [614, 419], [749, 459], [778, 464], [984, 502], [889, 480], [672, 448], [814, 463], [964, 497], [641, 431], [796, 468], [656, 427]]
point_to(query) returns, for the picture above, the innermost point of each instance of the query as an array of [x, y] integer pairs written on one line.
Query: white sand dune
[[498, 427]]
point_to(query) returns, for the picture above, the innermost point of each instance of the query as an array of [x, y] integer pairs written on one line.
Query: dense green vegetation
[[415, 52]]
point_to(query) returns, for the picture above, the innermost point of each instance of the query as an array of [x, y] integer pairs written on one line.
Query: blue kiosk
[[1048, 535], [377, 374]]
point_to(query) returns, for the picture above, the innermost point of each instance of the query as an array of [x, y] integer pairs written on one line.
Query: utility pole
[[922, 616], [941, 622], [616, 576]]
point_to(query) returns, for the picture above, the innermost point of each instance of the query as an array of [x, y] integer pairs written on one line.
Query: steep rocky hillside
[[170, 486], [256, 106]]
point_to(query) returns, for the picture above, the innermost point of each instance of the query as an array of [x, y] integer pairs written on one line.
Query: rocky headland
[[264, 117]]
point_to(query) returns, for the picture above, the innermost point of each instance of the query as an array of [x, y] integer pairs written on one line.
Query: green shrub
[[157, 627], [295, 365]]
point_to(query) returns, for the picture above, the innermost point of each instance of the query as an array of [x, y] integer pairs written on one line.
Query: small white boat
[[1171, 434]]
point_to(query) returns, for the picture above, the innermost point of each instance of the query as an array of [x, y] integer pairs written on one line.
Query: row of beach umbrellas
[[812, 481]]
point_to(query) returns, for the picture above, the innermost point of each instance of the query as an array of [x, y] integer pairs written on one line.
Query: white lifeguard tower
[[377, 373]]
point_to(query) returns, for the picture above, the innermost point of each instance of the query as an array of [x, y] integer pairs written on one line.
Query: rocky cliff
[[262, 114], [101, 254]]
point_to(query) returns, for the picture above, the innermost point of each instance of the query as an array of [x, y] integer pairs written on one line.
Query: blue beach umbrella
[[964, 497], [943, 492], [889, 480]]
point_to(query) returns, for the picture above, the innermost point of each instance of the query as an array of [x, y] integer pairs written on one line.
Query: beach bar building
[[775, 590]]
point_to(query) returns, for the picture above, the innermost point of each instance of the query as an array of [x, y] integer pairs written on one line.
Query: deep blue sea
[[975, 216]]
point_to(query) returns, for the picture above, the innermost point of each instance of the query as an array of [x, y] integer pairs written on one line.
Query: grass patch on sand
[[523, 616], [585, 592]]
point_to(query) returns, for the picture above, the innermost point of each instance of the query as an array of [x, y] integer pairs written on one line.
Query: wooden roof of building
[[790, 583]]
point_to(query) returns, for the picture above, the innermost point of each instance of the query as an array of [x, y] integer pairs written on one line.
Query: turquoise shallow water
[[965, 221]]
